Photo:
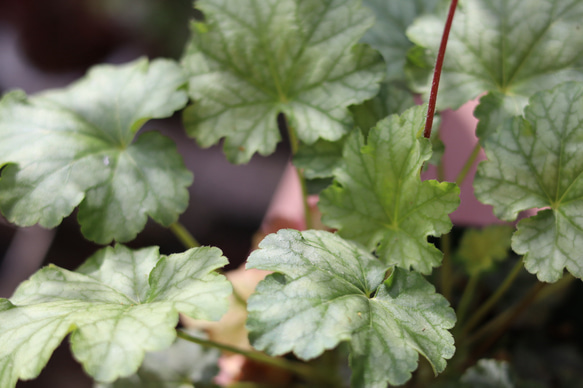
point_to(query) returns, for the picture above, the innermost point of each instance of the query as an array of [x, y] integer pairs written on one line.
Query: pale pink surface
[[229, 368], [287, 201], [458, 130]]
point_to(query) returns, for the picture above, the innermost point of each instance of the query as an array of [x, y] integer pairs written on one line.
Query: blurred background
[[49, 44]]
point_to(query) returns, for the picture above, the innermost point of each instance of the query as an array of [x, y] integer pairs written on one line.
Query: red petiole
[[437, 70]]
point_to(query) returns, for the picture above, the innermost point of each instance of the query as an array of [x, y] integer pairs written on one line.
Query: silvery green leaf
[[508, 48], [78, 147], [254, 59], [536, 162], [326, 290], [182, 365], [117, 306], [388, 33]]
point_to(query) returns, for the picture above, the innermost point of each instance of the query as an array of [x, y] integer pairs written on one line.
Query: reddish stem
[[437, 70]]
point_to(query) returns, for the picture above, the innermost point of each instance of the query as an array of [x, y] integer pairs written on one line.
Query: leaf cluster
[[338, 84]]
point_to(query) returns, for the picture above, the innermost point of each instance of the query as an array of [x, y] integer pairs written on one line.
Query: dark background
[[50, 43]]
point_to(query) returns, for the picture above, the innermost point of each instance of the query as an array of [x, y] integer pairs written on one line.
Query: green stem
[[504, 316], [307, 210], [303, 370], [239, 298], [446, 269], [295, 145], [184, 235], [190, 242], [467, 297], [441, 171], [485, 308], [508, 317], [468, 165], [446, 265]]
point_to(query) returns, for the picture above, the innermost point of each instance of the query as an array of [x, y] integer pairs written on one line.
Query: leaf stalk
[[510, 316], [297, 368], [295, 145], [500, 320], [184, 236], [487, 306], [468, 165], [437, 70], [446, 267], [189, 242], [467, 297]]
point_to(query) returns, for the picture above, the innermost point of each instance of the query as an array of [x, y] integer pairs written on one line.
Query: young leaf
[[388, 33], [117, 306], [327, 290], [74, 147], [536, 162], [258, 58], [379, 200], [479, 250], [510, 48]]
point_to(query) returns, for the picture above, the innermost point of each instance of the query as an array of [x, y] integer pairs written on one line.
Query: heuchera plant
[[338, 77]]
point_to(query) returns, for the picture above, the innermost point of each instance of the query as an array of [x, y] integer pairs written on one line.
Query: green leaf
[[388, 33], [182, 365], [321, 158], [392, 98], [327, 290], [117, 306], [75, 147], [511, 48], [378, 198], [479, 250], [495, 108], [260, 58], [536, 162]]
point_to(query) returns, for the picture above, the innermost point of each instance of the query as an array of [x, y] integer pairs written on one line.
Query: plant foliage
[[183, 365], [78, 147], [254, 69], [536, 161], [508, 48], [118, 305], [328, 290], [379, 200], [277, 56]]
